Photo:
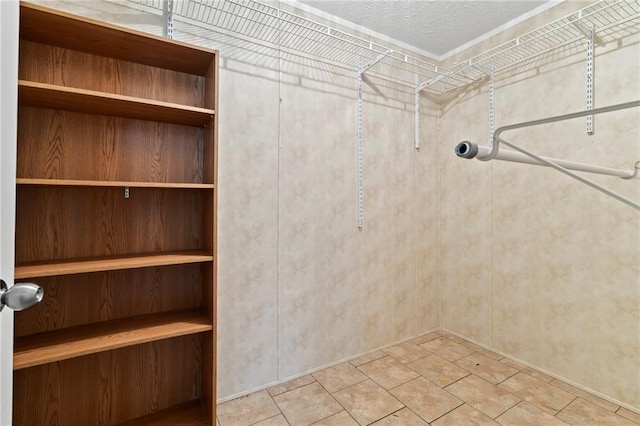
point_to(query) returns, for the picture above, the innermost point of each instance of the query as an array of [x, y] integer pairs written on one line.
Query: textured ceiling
[[435, 27]]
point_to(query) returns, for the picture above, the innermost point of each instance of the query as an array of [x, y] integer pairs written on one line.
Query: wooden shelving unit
[[116, 220]]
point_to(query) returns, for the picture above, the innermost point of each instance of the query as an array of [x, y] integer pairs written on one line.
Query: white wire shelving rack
[[599, 23], [609, 19], [254, 20]]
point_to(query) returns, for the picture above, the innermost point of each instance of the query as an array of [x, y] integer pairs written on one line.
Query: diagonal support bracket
[[492, 99], [419, 88]]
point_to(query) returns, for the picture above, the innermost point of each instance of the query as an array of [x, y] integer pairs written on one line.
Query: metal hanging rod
[[470, 150]]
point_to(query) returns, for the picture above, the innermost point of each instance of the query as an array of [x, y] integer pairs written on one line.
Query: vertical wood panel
[[110, 387], [66, 145], [72, 300], [54, 65], [65, 223]]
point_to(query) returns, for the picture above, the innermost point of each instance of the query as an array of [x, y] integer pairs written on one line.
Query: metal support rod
[[469, 150], [359, 159], [492, 103], [590, 52], [366, 67], [587, 31], [419, 88], [416, 121], [422, 86], [573, 175], [492, 106], [495, 153], [563, 117]]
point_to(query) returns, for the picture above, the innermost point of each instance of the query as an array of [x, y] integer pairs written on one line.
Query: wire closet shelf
[[260, 22]]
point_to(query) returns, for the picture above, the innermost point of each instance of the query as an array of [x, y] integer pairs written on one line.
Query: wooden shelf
[[117, 184], [54, 27], [80, 266], [188, 414], [59, 345], [89, 101]]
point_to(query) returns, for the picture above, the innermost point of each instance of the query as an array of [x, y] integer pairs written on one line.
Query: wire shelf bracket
[[361, 70]]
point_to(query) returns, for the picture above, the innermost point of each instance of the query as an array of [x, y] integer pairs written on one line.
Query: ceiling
[[436, 27]]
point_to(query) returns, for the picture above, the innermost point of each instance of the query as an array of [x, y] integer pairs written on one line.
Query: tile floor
[[436, 379]]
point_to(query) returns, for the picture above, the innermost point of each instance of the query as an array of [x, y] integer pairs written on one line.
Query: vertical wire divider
[[361, 69], [359, 159], [590, 66], [492, 105], [416, 100], [168, 19], [419, 88]]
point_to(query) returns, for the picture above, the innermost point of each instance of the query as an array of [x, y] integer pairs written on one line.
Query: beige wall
[[512, 256], [535, 264]]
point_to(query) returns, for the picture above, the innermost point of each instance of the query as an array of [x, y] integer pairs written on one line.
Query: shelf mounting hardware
[[359, 154], [419, 88], [492, 99], [168, 18]]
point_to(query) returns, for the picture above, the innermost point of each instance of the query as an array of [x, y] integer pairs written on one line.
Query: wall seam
[[278, 147]]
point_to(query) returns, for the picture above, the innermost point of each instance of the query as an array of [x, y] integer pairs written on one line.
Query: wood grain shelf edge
[[117, 184], [186, 414], [93, 102], [44, 348], [81, 266]]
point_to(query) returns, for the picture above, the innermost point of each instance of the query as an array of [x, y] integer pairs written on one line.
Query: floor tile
[[438, 370], [525, 414], [483, 396], [307, 404], [628, 414], [247, 410], [464, 415], [404, 417], [341, 419], [537, 392], [581, 412], [367, 358], [422, 339], [486, 368], [291, 385], [527, 370], [388, 372], [407, 352], [367, 402], [452, 337], [426, 399], [483, 351], [451, 351], [585, 395], [278, 420], [339, 377]]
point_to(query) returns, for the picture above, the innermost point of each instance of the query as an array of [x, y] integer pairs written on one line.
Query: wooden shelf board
[[92, 102], [48, 26], [59, 345], [81, 266], [117, 184], [187, 414]]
